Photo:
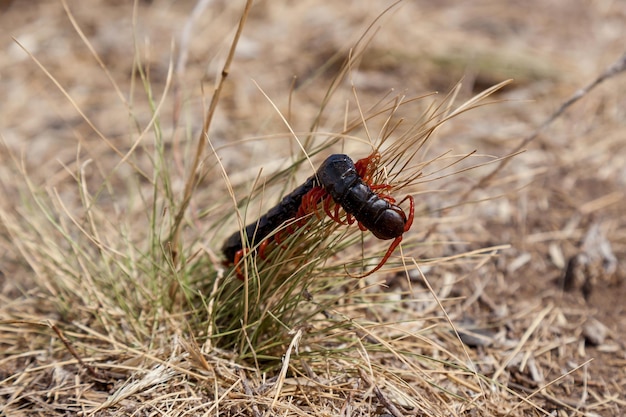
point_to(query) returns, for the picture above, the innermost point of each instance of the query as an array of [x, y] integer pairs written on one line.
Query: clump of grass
[[280, 293]]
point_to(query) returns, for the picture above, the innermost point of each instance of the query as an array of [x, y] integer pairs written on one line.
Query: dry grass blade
[[381, 397], [101, 135], [613, 70], [192, 180]]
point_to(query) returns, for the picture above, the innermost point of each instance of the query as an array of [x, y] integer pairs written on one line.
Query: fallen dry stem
[[615, 69], [192, 180]]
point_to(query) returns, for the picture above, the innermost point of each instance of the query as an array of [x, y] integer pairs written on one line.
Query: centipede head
[[390, 224]]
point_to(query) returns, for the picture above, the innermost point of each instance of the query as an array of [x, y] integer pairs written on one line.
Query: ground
[[550, 302]]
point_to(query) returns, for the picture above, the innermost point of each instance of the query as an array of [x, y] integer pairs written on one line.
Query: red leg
[[365, 167], [301, 214], [396, 241], [309, 204], [310, 201], [334, 214], [327, 201], [289, 230], [277, 238], [312, 207], [411, 216], [387, 198], [302, 210], [392, 247], [380, 187], [262, 248], [280, 235], [337, 208], [361, 166], [319, 196], [238, 256]]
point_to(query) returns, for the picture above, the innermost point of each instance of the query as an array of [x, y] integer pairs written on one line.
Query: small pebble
[[594, 332]]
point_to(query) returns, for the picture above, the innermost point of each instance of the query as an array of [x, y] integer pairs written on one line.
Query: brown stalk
[[192, 181], [616, 68]]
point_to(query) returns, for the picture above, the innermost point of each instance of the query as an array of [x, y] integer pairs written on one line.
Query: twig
[[192, 181], [379, 394], [90, 369], [248, 390], [529, 332], [540, 391], [286, 361], [616, 68]]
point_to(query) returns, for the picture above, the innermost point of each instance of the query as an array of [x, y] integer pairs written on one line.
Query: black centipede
[[257, 231], [338, 180]]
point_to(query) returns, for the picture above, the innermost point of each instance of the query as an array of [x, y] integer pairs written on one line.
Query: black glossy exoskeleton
[[257, 231], [344, 183], [339, 177], [338, 180]]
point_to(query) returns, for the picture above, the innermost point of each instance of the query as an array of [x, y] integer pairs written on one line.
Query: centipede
[[338, 183], [256, 232]]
